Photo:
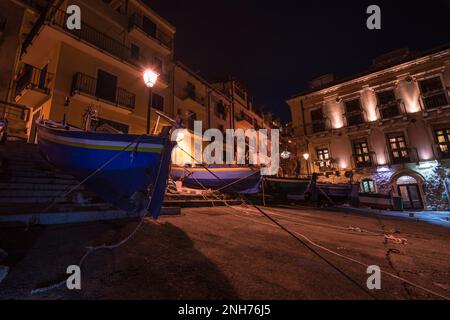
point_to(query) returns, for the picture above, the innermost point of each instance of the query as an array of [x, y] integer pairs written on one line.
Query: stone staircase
[[28, 184]]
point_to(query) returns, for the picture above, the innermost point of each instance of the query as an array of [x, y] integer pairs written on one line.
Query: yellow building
[[63, 71]]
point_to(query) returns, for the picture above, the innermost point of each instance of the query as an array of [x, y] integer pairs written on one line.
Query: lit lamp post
[[150, 78], [306, 157]]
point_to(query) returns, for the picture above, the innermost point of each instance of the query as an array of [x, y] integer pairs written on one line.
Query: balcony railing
[[84, 84], [14, 112], [244, 117], [136, 21], [390, 110], [434, 100], [193, 96], [56, 17], [364, 160], [32, 78]]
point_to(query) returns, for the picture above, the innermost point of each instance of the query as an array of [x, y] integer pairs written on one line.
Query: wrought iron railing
[[32, 78], [434, 100], [390, 110], [14, 112], [84, 84], [136, 21]]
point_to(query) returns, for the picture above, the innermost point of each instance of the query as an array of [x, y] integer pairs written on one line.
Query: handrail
[[136, 20], [86, 84]]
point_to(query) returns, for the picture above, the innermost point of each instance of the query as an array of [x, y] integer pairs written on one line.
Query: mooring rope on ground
[[298, 236], [91, 250]]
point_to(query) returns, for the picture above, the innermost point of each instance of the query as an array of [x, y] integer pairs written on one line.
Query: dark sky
[[276, 47]]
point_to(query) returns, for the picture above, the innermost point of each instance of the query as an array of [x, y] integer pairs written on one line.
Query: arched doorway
[[409, 187]]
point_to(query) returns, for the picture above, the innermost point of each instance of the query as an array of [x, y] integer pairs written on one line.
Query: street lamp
[[306, 157], [150, 78]]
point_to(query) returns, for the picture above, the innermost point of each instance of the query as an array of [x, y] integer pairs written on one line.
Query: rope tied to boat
[[91, 250]]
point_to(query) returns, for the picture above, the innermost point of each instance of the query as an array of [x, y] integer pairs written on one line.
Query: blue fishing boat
[[126, 170], [224, 178]]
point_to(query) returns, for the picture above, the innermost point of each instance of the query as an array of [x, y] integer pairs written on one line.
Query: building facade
[[63, 72], [57, 72], [387, 128]]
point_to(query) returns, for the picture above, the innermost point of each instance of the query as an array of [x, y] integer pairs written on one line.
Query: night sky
[[276, 47]]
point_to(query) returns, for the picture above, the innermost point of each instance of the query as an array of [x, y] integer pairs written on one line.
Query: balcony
[[354, 118], [192, 96], [364, 160], [17, 116], [434, 100], [390, 110], [140, 26], [85, 85], [32, 85], [318, 126], [97, 41]]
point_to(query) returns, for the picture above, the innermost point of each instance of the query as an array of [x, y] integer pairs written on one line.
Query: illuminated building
[[387, 128]]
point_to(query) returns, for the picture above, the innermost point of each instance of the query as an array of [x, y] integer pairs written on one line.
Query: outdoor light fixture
[[150, 78], [306, 156], [285, 155]]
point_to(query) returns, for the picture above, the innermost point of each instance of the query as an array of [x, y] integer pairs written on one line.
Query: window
[[368, 186], [443, 140], [353, 112], [398, 148], [433, 93], [106, 86], [220, 110], [149, 27], [388, 104], [362, 153], [157, 102], [323, 159], [318, 120], [135, 51], [190, 90]]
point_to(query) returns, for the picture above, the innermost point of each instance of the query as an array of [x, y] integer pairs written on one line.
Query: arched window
[[368, 186]]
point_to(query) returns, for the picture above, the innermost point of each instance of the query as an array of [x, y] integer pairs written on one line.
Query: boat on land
[[127, 170], [283, 186], [336, 192], [223, 178]]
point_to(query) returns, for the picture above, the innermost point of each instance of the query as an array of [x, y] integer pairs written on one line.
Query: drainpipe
[[208, 105], [233, 124], [302, 107]]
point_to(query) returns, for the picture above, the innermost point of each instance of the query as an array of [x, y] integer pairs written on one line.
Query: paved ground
[[210, 253]]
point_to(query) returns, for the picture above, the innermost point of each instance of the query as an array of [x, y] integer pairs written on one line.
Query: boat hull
[[244, 180], [285, 186], [120, 168]]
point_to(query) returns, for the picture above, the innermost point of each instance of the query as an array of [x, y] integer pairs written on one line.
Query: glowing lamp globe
[[150, 78], [306, 156]]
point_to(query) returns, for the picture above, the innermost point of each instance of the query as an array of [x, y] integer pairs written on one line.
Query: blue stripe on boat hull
[[118, 181]]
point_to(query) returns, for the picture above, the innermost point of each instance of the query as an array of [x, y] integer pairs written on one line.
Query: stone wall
[[431, 176]]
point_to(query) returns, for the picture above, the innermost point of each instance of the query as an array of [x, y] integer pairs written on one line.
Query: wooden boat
[[126, 170], [375, 201], [286, 186], [224, 178]]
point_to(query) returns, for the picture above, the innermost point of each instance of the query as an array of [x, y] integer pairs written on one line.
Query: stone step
[[37, 180], [38, 186]]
